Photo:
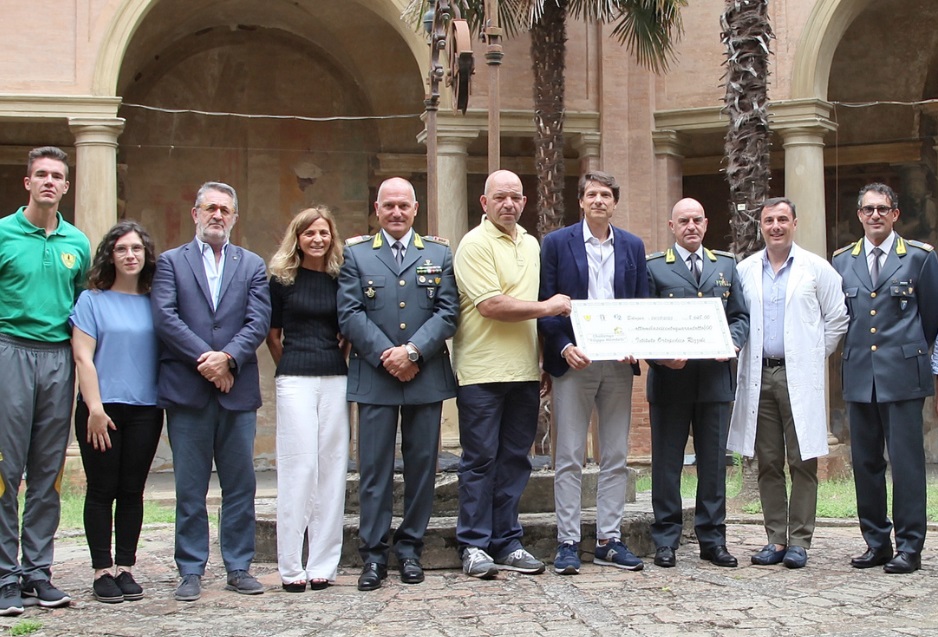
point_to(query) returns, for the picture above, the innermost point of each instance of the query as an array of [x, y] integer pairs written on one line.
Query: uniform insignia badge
[[437, 280], [722, 282], [430, 292], [422, 279], [370, 293]]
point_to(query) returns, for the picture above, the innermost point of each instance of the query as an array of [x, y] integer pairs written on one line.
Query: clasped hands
[[214, 368], [397, 363]]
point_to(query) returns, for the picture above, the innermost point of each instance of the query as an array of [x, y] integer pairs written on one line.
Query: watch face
[[413, 356]]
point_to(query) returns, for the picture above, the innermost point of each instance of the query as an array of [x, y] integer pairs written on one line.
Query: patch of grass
[[25, 627], [836, 498], [73, 506]]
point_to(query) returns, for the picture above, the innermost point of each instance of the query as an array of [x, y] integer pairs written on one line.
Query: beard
[[212, 235]]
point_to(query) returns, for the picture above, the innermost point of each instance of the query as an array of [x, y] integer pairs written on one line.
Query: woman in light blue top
[[117, 423]]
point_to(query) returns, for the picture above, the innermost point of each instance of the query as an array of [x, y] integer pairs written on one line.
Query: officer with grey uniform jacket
[[692, 395], [397, 305]]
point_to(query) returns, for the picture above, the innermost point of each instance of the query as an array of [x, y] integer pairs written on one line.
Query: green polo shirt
[[40, 277]]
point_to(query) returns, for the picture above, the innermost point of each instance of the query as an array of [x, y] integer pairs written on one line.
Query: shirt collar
[[684, 253], [885, 246], [405, 240], [203, 245], [29, 228], [493, 230], [588, 236]]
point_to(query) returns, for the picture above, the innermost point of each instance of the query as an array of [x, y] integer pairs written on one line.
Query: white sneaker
[[478, 563]]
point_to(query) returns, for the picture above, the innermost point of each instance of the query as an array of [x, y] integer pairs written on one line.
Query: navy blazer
[[383, 305], [188, 326], [565, 270]]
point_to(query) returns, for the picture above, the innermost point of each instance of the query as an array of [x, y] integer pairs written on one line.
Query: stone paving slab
[[695, 599]]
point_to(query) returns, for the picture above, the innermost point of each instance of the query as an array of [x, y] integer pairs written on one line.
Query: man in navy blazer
[[211, 311], [590, 260]]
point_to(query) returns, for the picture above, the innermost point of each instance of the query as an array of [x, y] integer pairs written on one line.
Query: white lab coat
[[815, 319]]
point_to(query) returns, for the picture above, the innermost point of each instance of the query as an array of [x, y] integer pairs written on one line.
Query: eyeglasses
[[869, 210], [213, 208], [123, 251]]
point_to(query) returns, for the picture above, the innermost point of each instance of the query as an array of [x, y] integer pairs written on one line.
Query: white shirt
[[885, 246], [405, 241], [600, 256], [685, 254]]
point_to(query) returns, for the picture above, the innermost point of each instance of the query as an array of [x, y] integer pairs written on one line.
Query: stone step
[[540, 534]]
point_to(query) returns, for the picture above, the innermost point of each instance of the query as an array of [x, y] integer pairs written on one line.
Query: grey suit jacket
[[188, 326], [892, 324], [699, 380], [382, 305]]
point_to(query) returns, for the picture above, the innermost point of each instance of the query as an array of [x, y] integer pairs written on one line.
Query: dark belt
[[773, 362]]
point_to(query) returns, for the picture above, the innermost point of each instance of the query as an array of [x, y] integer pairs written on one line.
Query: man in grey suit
[[891, 285], [397, 304], [211, 311], [692, 394]]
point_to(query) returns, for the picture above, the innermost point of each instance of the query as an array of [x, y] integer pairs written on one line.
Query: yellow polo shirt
[[489, 263]]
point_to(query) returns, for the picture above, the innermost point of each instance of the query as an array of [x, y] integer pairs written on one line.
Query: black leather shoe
[[795, 557], [371, 576], [718, 556], [664, 557], [768, 556], [904, 563], [873, 558], [411, 571]]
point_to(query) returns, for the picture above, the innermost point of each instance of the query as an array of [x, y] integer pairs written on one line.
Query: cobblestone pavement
[[694, 599]]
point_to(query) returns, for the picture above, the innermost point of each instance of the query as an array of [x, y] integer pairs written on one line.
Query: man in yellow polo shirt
[[495, 357]]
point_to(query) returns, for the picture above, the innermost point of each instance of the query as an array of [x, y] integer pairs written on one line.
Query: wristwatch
[[412, 354]]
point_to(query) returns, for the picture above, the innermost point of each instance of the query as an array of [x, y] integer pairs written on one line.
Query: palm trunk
[[746, 34], [548, 52]]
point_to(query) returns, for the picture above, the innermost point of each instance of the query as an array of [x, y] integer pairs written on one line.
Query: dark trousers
[[898, 426], [670, 425], [116, 479], [420, 435], [198, 436], [497, 425]]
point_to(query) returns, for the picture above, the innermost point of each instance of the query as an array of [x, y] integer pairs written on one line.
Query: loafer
[[768, 556], [664, 557], [872, 557], [795, 557], [371, 576], [718, 556], [904, 563], [411, 570]]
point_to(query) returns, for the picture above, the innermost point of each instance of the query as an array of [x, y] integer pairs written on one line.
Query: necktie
[[398, 252], [694, 267], [874, 268]]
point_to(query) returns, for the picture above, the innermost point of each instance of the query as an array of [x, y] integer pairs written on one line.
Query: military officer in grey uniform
[[891, 285], [397, 304], [692, 394]]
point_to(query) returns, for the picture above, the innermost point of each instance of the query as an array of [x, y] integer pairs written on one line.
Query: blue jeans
[[497, 425], [197, 436]]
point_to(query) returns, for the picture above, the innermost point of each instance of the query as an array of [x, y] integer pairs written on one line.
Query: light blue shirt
[[214, 270], [126, 353], [774, 285]]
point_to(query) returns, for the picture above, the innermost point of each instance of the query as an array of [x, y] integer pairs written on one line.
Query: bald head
[[397, 183], [504, 200], [688, 223]]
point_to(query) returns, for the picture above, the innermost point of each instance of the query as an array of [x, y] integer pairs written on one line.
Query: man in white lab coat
[[797, 315]]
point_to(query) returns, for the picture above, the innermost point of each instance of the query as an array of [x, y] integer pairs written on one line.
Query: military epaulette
[[725, 253], [846, 247], [434, 239], [654, 255], [920, 244], [354, 241]]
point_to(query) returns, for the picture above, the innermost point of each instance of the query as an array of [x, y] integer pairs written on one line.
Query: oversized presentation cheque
[[652, 328]]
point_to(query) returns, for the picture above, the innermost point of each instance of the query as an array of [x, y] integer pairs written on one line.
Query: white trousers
[[312, 463], [608, 386]]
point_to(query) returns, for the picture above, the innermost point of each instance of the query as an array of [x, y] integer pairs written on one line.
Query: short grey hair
[[219, 187]]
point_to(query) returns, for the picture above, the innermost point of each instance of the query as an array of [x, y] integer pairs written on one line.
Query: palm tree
[[746, 34], [648, 28]]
